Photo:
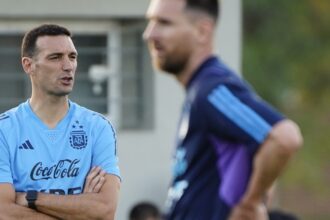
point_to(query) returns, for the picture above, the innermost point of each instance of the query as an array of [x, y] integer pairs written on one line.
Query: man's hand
[[94, 180], [249, 212], [20, 199]]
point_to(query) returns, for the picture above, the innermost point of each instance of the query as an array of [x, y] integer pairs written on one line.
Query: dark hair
[[210, 7], [30, 38], [143, 210]]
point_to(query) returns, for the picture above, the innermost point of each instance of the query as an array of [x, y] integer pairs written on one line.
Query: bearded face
[[170, 35], [172, 62]]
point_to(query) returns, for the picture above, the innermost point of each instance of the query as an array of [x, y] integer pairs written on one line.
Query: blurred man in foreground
[[231, 145]]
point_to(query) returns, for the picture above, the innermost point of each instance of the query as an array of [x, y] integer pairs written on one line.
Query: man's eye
[[54, 57], [164, 22]]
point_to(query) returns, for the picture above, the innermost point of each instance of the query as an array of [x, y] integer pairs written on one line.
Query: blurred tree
[[287, 43], [286, 57]]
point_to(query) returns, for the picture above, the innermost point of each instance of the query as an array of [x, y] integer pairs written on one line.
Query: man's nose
[[68, 64], [150, 32]]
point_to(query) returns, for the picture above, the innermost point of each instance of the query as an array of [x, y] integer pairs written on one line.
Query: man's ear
[[27, 65], [205, 30]]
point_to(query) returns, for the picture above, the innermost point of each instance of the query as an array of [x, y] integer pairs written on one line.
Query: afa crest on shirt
[[78, 139]]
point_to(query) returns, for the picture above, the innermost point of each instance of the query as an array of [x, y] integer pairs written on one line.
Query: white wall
[[229, 35], [145, 156], [72, 8]]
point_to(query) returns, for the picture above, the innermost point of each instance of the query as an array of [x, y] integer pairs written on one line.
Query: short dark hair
[[30, 38], [143, 210], [210, 7]]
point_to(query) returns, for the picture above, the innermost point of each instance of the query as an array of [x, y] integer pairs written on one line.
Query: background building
[[114, 77]]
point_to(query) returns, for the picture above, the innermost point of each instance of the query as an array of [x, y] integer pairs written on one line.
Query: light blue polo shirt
[[57, 160]]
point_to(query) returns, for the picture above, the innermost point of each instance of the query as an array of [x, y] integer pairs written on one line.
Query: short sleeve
[[5, 170], [105, 149], [238, 114]]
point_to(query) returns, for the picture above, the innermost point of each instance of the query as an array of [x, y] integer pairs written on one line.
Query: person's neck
[[50, 110], [193, 64]]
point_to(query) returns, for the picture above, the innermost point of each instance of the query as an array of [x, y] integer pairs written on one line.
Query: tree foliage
[[286, 57], [287, 43]]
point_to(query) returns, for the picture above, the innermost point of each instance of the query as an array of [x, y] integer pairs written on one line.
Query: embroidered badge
[[78, 137]]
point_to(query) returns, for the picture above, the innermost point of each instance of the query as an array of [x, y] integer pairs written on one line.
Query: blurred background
[[282, 48], [286, 57]]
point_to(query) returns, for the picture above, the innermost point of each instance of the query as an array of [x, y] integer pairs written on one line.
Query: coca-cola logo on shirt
[[63, 169]]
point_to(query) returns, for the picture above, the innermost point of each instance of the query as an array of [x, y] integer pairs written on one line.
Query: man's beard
[[172, 64], [59, 93]]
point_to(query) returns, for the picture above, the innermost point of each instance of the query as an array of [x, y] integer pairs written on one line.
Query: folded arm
[[100, 205], [10, 210], [98, 201]]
